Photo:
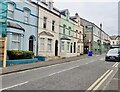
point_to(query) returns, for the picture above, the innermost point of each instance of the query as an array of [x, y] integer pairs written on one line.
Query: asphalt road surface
[[88, 74]]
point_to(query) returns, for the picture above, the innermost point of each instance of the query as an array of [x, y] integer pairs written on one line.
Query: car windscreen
[[113, 51]]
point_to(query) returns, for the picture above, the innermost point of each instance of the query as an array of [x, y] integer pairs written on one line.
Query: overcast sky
[[95, 11]]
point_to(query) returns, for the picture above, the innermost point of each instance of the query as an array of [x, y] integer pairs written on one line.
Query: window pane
[[10, 7], [10, 14], [49, 44], [16, 41], [53, 25], [42, 43], [26, 16], [62, 45], [15, 45], [44, 22], [68, 46]]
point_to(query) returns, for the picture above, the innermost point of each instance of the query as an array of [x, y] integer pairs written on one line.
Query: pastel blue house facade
[[22, 26]]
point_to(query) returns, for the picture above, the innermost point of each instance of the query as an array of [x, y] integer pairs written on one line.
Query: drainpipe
[[100, 39], [37, 27]]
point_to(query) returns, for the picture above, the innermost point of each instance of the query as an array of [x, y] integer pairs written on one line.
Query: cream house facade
[[78, 34], [48, 30]]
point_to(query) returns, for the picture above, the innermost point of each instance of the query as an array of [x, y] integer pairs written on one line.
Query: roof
[[114, 37]]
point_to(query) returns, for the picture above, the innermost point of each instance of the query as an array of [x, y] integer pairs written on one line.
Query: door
[[31, 42], [56, 48]]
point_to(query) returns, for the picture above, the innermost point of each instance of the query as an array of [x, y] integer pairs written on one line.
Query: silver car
[[113, 55]]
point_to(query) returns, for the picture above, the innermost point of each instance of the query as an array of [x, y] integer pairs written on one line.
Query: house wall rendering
[[48, 32], [22, 26]]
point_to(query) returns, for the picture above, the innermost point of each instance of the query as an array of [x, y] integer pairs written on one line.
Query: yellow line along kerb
[[98, 80]]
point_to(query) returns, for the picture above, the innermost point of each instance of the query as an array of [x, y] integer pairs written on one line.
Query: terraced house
[[22, 26], [95, 38], [78, 34], [69, 30], [115, 40], [48, 32]]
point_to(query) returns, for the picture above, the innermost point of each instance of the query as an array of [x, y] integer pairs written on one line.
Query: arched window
[[26, 14]]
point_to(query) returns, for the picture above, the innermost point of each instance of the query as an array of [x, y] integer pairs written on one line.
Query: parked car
[[113, 55]]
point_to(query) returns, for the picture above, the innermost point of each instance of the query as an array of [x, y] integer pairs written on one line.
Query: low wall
[[22, 61]]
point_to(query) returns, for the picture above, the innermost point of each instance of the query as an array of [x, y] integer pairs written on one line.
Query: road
[[85, 74]]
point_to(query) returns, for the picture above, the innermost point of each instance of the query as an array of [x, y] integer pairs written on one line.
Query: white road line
[[95, 83], [103, 80], [63, 70], [14, 86]]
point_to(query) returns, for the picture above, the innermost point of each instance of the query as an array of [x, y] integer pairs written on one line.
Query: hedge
[[18, 54]]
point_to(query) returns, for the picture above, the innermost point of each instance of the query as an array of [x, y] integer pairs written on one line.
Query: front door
[[31, 43], [56, 48]]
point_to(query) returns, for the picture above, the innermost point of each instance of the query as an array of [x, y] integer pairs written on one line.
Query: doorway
[[31, 43], [56, 48]]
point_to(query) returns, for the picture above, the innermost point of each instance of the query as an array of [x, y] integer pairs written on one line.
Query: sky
[[96, 11]]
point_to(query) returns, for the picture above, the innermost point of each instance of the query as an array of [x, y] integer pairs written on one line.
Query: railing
[[3, 51]]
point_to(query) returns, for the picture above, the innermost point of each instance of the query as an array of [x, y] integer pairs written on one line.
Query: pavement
[[23, 67]]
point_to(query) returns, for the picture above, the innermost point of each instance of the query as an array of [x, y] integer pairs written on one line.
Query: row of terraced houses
[[48, 31]]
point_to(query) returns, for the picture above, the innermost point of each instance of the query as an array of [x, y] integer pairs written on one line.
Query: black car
[[113, 55]]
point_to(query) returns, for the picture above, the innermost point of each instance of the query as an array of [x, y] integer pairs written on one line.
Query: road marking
[[103, 80], [14, 86], [63, 71], [98, 80], [44, 67], [114, 64], [117, 65]]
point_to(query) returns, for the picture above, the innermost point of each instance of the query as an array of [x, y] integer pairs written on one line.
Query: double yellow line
[[100, 80], [116, 64]]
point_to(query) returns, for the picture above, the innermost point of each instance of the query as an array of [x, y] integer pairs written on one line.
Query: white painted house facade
[[48, 32]]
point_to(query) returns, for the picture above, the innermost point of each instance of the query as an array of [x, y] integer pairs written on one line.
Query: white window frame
[[62, 45], [44, 22], [11, 10], [26, 16], [53, 25], [49, 47], [42, 43], [18, 41]]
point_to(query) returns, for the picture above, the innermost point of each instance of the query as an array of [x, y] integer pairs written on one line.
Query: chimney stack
[[101, 26]]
